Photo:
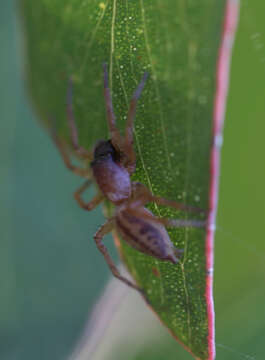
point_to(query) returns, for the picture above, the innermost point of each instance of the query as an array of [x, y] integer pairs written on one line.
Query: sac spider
[[112, 163]]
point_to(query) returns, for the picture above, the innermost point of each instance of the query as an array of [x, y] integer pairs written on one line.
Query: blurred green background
[[50, 271]]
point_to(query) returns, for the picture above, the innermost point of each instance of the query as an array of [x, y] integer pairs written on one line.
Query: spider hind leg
[[103, 230]]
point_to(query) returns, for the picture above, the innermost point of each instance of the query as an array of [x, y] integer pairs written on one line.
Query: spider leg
[[143, 195], [66, 159], [92, 203], [103, 230], [167, 222], [116, 137], [82, 152], [128, 145]]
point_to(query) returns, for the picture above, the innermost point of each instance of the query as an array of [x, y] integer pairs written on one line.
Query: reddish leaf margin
[[222, 83]]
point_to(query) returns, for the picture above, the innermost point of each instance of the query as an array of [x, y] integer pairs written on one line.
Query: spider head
[[104, 150]]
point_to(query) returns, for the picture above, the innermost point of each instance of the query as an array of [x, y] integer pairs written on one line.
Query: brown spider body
[[112, 164], [113, 179]]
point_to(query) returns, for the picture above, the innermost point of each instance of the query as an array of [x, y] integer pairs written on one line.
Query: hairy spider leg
[[81, 151], [66, 159], [116, 137], [104, 230], [144, 195], [92, 203], [168, 222], [128, 146]]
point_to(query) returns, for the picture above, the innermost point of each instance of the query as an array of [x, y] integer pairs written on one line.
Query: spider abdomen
[[145, 235]]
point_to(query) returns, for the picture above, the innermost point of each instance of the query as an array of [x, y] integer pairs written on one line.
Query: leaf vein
[[156, 86]]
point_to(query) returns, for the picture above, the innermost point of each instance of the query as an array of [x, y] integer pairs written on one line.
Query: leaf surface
[[177, 42]]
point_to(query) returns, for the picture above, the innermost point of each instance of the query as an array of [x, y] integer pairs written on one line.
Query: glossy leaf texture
[[177, 42]]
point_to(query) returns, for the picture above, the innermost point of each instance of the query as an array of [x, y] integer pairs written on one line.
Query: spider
[[112, 163]]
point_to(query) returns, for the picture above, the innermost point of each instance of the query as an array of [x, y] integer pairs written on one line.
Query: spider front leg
[[123, 144], [116, 137], [128, 145], [80, 151], [92, 203], [66, 159], [103, 230]]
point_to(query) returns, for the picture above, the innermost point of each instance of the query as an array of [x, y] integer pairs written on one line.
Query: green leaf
[[177, 42]]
